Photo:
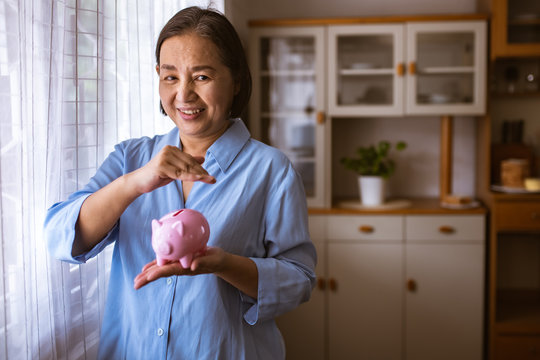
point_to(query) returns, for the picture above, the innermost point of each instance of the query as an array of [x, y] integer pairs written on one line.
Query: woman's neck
[[198, 146]]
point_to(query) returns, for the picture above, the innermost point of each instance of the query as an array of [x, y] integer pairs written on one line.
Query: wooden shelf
[[425, 206], [518, 312]]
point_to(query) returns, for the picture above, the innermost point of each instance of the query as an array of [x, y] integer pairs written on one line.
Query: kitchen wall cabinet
[[416, 68], [515, 28], [307, 72], [287, 107], [398, 286]]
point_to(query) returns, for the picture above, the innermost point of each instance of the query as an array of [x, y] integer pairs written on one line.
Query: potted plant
[[373, 166]]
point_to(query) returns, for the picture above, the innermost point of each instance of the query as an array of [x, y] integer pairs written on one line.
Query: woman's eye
[[202, 77], [169, 78]]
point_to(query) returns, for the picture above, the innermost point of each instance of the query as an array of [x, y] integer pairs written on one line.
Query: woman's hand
[[239, 271], [206, 263], [168, 165]]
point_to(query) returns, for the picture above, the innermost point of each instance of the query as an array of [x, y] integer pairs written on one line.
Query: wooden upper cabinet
[[515, 28]]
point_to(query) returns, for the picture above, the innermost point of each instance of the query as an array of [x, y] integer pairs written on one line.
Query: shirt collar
[[228, 146]]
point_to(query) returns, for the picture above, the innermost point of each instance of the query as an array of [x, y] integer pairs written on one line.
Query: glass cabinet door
[[365, 70], [287, 103], [447, 67]]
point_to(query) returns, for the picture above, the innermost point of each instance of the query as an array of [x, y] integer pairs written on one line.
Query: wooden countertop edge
[[366, 20], [418, 207]]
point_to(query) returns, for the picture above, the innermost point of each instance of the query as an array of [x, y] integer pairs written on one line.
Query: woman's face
[[195, 87]]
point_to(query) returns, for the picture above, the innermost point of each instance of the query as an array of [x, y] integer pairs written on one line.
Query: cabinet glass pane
[[365, 69], [523, 21], [288, 95], [445, 50], [445, 68], [445, 88], [288, 53]]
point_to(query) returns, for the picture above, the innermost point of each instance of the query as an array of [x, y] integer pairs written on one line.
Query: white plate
[[471, 205]]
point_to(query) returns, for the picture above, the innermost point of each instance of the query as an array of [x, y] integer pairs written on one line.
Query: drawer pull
[[447, 229], [321, 284], [411, 285], [366, 229], [332, 284], [321, 117]]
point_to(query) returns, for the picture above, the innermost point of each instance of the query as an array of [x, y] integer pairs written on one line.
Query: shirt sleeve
[[287, 273], [61, 218]]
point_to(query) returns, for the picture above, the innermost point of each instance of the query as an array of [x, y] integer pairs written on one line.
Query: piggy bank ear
[[155, 225], [179, 227]]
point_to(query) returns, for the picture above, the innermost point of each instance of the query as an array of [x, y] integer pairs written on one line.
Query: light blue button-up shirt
[[256, 209]]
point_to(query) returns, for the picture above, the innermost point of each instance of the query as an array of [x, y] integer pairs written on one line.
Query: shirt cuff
[[264, 306]]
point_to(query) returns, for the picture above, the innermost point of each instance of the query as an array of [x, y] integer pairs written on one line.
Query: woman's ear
[[157, 69], [236, 88]]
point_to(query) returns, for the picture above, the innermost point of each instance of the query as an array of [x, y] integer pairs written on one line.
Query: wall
[[338, 8]]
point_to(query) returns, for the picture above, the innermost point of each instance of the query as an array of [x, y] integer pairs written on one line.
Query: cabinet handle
[[447, 229], [366, 229], [400, 69], [321, 284], [321, 118], [412, 68], [332, 284], [411, 285]]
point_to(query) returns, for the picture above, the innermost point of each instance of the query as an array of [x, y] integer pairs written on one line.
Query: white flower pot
[[372, 190]]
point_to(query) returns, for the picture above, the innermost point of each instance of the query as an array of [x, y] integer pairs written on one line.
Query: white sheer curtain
[[76, 77]]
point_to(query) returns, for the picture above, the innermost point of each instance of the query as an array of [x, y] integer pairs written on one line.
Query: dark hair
[[211, 24]]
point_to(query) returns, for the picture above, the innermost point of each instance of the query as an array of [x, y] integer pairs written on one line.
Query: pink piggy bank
[[179, 235]]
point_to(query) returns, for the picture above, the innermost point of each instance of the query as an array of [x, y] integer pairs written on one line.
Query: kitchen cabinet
[[398, 286], [515, 28], [365, 262], [514, 239], [415, 68], [307, 71], [287, 107], [514, 293], [444, 303]]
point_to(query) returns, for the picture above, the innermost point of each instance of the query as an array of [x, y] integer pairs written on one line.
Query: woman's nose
[[185, 92]]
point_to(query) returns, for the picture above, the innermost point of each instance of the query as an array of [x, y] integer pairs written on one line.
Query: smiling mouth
[[191, 111]]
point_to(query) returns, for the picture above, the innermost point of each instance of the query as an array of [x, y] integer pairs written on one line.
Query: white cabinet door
[[444, 302], [444, 306], [303, 329], [365, 302], [287, 106], [365, 76], [416, 68], [447, 64]]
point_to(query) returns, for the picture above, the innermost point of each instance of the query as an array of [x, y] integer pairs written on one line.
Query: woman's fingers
[[170, 164]]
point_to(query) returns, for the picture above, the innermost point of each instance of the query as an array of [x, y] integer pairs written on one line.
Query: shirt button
[[169, 281], [160, 332]]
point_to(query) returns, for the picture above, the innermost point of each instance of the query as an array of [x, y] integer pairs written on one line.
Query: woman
[[260, 261]]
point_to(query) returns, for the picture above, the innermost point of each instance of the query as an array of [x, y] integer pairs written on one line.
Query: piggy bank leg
[[160, 261], [186, 261]]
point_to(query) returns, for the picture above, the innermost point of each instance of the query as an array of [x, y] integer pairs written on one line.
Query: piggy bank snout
[[164, 248]]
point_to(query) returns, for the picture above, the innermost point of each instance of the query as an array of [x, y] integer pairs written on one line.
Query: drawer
[[445, 227], [517, 215], [345, 227], [520, 347]]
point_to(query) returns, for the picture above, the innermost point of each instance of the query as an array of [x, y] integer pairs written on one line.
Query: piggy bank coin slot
[[178, 212]]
